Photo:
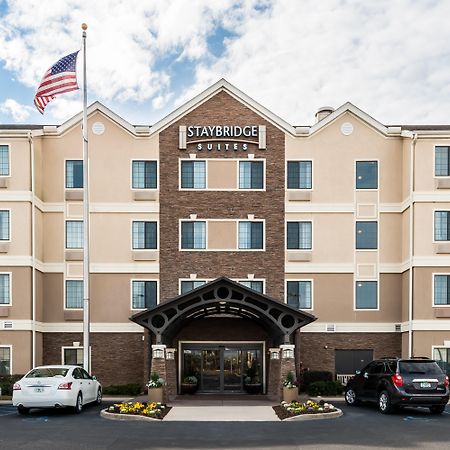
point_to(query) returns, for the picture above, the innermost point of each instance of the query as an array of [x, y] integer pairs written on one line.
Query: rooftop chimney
[[323, 112]]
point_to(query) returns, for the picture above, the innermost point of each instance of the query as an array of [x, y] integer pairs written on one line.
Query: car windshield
[[419, 368], [47, 372]]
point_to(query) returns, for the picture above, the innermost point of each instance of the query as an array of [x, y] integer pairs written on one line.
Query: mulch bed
[[282, 412], [160, 416]]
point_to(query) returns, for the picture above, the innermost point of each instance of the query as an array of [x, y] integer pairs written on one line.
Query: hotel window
[[251, 175], [4, 225], [144, 294], [366, 295], [366, 235], [144, 175], [442, 225], [5, 284], [441, 290], [74, 294], [250, 235], [299, 294], [4, 160], [74, 234], [442, 356], [145, 235], [299, 235], [257, 286], [299, 174], [366, 175], [193, 174], [187, 286], [193, 235], [74, 174], [5, 361], [73, 356], [442, 161]]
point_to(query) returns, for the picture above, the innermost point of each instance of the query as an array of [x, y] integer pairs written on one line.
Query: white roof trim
[[222, 85]]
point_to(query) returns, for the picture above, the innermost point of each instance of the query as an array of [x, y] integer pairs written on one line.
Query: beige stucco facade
[[333, 205]]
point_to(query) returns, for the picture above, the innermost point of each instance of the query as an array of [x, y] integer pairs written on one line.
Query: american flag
[[60, 78]]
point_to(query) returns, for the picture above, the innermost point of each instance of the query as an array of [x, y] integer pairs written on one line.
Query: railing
[[344, 378]]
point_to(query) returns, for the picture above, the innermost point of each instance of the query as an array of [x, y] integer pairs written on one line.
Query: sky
[[391, 58]]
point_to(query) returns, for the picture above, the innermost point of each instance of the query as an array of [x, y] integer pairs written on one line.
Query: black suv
[[395, 382]]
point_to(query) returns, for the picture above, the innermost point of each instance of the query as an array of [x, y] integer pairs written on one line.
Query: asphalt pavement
[[360, 428]]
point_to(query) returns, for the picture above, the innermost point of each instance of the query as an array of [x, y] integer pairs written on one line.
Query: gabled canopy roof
[[222, 298]]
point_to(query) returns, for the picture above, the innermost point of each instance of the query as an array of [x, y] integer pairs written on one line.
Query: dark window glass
[[251, 175], [74, 174], [145, 235], [419, 368], [193, 235], [299, 175], [442, 225], [366, 295], [442, 289], [144, 175], [187, 286], [4, 225], [250, 235], [255, 285], [193, 174], [366, 175], [73, 356], [366, 235], [441, 161], [144, 294], [299, 235], [299, 294]]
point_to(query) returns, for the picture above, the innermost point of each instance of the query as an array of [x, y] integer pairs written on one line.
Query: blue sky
[[146, 57]]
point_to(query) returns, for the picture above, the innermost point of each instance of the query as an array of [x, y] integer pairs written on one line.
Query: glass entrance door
[[222, 368]]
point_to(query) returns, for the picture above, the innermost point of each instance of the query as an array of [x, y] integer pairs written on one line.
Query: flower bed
[[286, 410], [153, 410]]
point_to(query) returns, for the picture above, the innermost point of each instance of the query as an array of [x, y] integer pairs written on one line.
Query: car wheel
[[350, 397], [79, 404], [22, 410], [98, 400], [437, 409], [384, 403]]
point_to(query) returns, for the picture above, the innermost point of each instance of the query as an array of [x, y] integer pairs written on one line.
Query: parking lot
[[361, 427]]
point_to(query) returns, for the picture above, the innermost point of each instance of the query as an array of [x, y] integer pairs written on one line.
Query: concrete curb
[[319, 416], [126, 417]]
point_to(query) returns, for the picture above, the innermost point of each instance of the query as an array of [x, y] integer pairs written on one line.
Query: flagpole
[[86, 315]]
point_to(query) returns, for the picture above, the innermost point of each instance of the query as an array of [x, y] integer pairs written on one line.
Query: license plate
[[39, 389], [425, 385]]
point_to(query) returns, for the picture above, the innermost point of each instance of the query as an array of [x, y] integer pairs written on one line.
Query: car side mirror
[[94, 377], [357, 372]]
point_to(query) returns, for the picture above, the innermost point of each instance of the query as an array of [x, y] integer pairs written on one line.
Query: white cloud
[[18, 112]]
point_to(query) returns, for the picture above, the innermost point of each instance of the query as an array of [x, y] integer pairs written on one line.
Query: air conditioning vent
[[331, 327], [7, 325], [398, 327]]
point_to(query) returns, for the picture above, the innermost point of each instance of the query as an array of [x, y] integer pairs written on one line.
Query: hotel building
[[225, 243]]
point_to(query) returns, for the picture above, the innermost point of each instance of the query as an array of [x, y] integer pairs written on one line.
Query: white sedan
[[56, 387]]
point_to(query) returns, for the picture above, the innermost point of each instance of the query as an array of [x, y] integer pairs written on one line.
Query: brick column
[[159, 364], [274, 379], [171, 373], [287, 362]]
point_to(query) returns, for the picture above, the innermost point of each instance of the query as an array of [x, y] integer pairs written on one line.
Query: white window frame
[[311, 160], [362, 280], [131, 174], [65, 174], [180, 280], [64, 347], [9, 224], [10, 356], [239, 160], [286, 238], [65, 294], [9, 159], [10, 289], [378, 175], [65, 234], [377, 221], [131, 292], [297, 280], [434, 223], [432, 289], [438, 177], [131, 235], [206, 174], [180, 221], [263, 249], [239, 280]]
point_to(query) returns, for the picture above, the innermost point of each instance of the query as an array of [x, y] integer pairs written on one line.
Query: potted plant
[[155, 388], [290, 388], [252, 384], [189, 385]]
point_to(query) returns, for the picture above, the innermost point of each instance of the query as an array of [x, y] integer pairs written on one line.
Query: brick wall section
[[171, 378], [159, 366], [274, 380], [313, 355], [222, 109], [117, 358]]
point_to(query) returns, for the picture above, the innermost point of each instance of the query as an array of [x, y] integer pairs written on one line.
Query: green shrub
[[122, 389], [311, 376], [6, 383], [325, 388]]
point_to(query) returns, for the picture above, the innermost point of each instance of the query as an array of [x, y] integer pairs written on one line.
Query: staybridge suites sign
[[222, 137]]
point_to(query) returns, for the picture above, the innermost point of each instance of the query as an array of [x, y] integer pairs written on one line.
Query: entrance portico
[[222, 332]]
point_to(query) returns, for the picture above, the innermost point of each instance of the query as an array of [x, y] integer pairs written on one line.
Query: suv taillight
[[397, 380], [65, 386], [17, 387], [446, 381]]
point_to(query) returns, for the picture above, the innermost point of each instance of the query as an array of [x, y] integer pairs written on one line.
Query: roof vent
[[323, 112], [331, 327], [7, 325]]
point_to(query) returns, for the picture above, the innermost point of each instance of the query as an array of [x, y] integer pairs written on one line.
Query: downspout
[[33, 253], [411, 244]]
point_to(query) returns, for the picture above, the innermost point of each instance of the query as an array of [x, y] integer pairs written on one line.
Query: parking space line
[[7, 410]]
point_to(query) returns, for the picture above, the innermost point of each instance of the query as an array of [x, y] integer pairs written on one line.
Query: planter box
[[290, 395], [187, 388], [254, 388], [155, 395]]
